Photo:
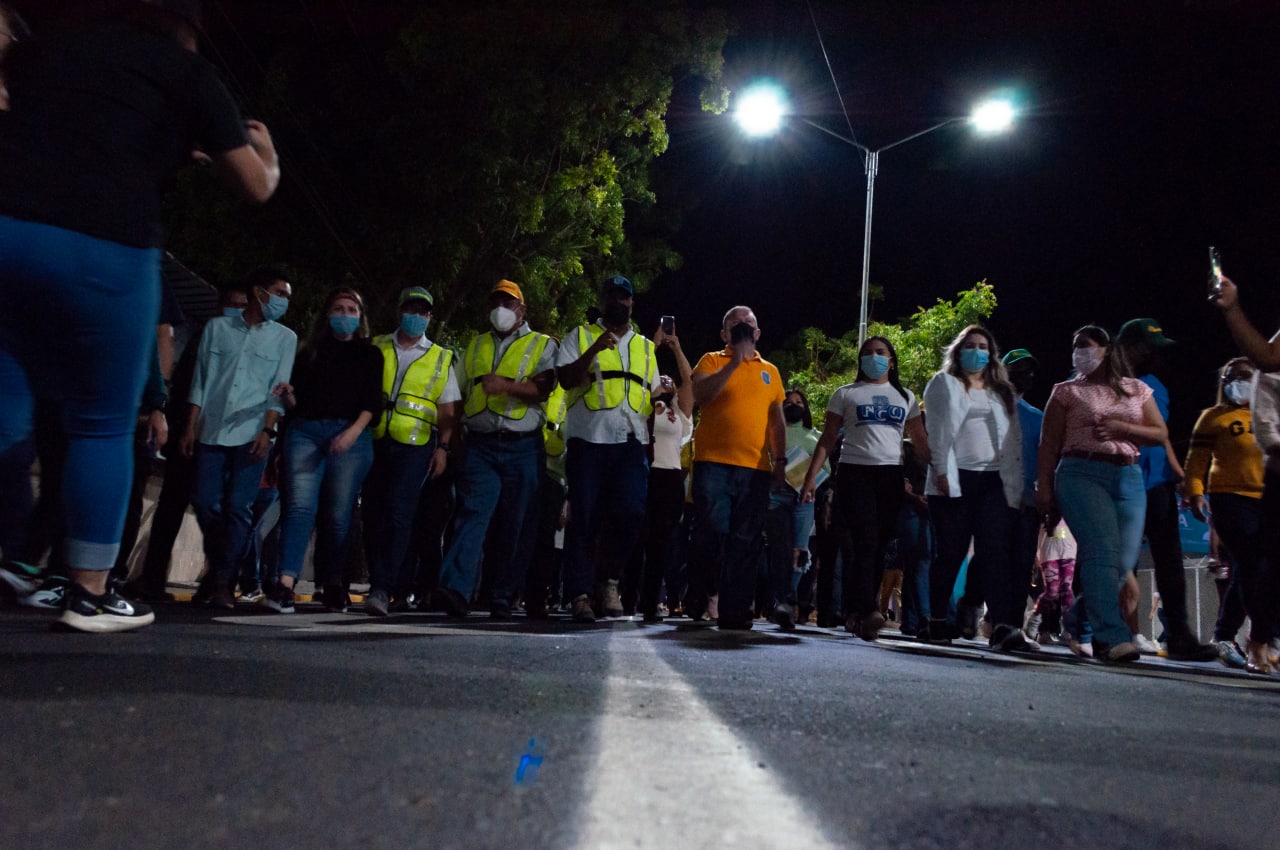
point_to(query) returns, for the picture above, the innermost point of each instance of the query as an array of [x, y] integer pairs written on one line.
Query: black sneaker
[[109, 612], [280, 600], [336, 599]]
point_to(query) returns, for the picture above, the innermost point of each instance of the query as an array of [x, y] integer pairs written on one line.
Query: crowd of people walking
[[599, 472]]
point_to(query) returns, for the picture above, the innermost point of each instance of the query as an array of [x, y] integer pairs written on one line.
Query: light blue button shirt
[[236, 367]]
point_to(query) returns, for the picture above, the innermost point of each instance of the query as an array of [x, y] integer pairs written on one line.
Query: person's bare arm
[[253, 170], [1263, 352], [830, 433]]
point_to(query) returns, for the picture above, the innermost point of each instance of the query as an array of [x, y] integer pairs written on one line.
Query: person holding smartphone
[[739, 456]]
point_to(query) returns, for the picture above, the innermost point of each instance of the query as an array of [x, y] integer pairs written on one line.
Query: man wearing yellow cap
[[411, 444], [506, 374]]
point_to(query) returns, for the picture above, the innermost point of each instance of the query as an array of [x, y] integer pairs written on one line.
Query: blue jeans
[[259, 562], [1107, 506], [391, 495], [498, 480], [916, 549], [729, 508], [227, 480], [317, 482], [608, 488], [78, 327], [780, 529]]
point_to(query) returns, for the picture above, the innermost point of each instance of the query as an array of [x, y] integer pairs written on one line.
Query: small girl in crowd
[[1057, 559]]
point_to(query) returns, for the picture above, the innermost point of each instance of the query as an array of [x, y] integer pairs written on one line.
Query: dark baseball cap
[[1143, 330], [617, 282]]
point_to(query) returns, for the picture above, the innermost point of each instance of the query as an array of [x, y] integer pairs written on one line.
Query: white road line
[[715, 795]]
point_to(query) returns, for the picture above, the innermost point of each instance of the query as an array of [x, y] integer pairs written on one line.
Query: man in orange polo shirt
[[740, 454]]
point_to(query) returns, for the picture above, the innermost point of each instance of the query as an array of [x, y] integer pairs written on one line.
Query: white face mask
[[1237, 392], [1086, 360], [502, 319]]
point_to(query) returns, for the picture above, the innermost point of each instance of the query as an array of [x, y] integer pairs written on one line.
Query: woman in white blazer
[[974, 489]]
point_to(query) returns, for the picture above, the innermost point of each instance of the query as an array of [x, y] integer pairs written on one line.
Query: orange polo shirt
[[734, 427]]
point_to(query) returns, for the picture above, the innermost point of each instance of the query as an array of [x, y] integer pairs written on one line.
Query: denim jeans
[[226, 485], [729, 508], [780, 532], [78, 327], [608, 488], [916, 548], [260, 561], [318, 483], [498, 479], [391, 495], [1106, 505]]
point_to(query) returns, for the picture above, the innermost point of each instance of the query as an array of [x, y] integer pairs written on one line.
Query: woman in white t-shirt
[[974, 489], [672, 429], [872, 412]]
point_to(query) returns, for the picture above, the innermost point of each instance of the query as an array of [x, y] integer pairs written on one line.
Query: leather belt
[[1104, 457]]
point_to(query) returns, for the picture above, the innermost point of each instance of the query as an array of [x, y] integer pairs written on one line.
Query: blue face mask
[[414, 324], [874, 366], [974, 359], [275, 307], [342, 324], [233, 312]]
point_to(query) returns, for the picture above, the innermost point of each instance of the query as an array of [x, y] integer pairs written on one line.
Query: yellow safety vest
[[611, 384], [519, 363], [410, 417], [555, 407]]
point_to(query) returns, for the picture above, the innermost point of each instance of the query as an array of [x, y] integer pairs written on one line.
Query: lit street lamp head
[[760, 109], [994, 116]]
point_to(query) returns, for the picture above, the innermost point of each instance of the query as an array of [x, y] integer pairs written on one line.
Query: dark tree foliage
[[472, 143]]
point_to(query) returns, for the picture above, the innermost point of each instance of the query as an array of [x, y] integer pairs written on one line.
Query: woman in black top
[[336, 391], [100, 117]]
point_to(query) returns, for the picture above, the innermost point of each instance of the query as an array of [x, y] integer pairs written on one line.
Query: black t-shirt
[[337, 380], [100, 119]]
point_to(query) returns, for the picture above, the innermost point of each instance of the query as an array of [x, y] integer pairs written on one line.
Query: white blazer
[[946, 403]]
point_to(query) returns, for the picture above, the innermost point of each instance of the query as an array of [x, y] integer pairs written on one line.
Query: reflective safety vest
[[611, 384], [410, 416], [555, 407], [519, 363]]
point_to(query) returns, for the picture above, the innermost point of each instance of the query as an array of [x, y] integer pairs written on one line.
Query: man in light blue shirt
[[234, 411]]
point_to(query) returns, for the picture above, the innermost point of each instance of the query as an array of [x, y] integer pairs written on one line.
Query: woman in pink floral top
[[1088, 475]]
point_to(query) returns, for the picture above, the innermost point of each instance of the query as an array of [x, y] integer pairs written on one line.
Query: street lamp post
[[760, 112]]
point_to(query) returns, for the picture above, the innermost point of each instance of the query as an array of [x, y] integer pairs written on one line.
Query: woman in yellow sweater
[[1225, 463]]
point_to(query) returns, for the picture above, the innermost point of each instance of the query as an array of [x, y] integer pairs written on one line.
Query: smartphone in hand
[[1215, 273], [668, 324]]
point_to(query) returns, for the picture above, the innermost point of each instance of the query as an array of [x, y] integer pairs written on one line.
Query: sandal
[[1258, 660]]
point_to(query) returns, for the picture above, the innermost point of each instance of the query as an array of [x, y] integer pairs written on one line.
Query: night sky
[[1150, 133]]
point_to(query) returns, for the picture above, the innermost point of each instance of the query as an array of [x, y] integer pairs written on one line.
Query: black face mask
[[793, 413], [615, 314]]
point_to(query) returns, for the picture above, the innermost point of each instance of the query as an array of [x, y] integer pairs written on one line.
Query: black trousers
[[1166, 554]]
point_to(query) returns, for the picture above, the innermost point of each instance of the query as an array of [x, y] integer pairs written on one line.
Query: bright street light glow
[[760, 110], [994, 116]]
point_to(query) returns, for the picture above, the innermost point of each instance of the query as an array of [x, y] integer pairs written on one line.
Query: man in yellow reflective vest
[[506, 374], [610, 373], [411, 444]]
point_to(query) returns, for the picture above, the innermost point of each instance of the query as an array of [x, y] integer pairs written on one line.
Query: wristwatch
[[271, 432]]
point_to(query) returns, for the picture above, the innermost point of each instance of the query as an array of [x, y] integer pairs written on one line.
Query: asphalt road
[[322, 730]]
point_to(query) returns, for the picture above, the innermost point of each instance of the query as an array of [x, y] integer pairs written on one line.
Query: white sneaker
[[49, 595], [1145, 644]]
